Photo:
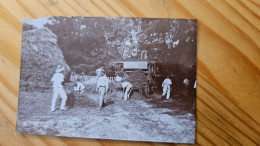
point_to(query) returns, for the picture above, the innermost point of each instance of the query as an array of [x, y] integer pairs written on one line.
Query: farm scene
[[109, 78]]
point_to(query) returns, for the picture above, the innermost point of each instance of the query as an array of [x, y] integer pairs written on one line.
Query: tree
[[100, 41]]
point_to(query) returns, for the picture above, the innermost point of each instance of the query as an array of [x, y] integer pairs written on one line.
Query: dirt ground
[[138, 119]]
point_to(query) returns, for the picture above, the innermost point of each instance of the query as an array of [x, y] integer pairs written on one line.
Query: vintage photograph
[[111, 78]]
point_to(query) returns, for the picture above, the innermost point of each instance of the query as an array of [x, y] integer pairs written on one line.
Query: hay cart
[[150, 69]]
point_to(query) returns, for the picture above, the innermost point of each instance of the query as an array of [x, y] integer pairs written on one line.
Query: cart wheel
[[146, 91]]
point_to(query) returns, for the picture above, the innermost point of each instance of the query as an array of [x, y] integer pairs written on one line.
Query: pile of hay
[[137, 79], [40, 57]]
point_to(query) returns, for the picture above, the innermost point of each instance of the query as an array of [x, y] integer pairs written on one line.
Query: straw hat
[[59, 68]]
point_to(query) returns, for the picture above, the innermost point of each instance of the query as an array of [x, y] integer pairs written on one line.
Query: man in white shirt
[[127, 87], [99, 71], [186, 82], [102, 87], [186, 89], [79, 87], [58, 89], [167, 87]]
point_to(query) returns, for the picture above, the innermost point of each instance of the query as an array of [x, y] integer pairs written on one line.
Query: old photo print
[[112, 78]]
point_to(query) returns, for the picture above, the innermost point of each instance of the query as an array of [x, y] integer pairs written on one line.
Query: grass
[[139, 119]]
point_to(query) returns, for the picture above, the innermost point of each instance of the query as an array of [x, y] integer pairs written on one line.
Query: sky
[[39, 23]]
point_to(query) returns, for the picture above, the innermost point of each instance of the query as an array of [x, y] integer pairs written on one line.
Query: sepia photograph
[[130, 79]]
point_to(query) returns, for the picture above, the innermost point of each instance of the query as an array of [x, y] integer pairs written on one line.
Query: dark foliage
[[98, 42]]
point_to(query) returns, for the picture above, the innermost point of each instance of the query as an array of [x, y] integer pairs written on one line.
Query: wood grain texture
[[228, 75]]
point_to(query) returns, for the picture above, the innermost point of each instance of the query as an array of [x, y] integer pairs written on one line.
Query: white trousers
[[101, 91], [127, 91], [56, 92], [166, 89]]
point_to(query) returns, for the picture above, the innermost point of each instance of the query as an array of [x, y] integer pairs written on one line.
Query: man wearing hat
[[127, 87], [102, 87], [58, 89]]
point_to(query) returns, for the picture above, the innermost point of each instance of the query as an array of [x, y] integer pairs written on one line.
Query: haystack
[[40, 56]]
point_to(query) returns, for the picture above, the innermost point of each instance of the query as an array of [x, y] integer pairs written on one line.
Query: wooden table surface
[[228, 75]]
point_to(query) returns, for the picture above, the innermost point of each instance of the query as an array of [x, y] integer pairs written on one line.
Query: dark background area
[[88, 43]]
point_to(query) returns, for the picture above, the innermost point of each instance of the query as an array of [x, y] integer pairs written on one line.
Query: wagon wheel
[[146, 90]]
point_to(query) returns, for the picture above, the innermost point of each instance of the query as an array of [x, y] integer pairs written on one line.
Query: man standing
[[102, 87], [186, 82], [186, 89], [58, 89], [167, 87], [99, 70]]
